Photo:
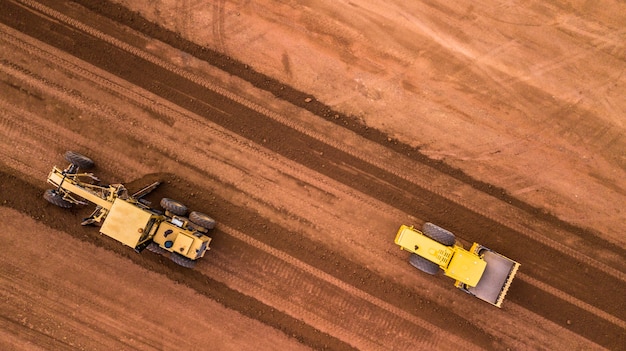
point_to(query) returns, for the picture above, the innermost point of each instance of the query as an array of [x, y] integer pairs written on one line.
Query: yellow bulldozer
[[128, 218], [479, 271]]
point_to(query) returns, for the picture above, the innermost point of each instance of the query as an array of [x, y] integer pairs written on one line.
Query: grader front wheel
[[79, 160], [53, 197]]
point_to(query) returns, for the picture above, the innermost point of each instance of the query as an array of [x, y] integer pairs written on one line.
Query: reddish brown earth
[[311, 131]]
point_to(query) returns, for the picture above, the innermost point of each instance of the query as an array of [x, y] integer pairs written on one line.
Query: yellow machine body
[[480, 271], [128, 221], [456, 262], [173, 237]]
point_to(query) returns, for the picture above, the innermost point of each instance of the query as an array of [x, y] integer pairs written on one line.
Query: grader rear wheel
[[202, 220], [154, 247], [173, 206], [182, 260]]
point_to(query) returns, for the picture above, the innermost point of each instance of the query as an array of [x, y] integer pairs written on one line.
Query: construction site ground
[[311, 131]]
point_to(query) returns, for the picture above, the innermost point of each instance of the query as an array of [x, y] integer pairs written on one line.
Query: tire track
[[381, 163], [330, 321], [39, 127], [218, 24], [437, 333], [12, 132], [172, 112], [231, 279], [572, 300], [42, 130], [534, 281], [514, 225]]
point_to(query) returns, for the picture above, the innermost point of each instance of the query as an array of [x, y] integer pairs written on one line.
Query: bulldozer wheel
[[54, 198], [154, 247], [438, 234], [202, 220], [182, 260], [173, 206], [423, 264], [78, 160]]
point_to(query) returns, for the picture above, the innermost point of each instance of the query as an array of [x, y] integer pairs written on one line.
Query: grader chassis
[[128, 218]]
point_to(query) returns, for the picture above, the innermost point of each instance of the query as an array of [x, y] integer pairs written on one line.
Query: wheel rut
[[361, 174]]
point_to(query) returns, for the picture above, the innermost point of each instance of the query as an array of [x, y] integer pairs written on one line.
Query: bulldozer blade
[[496, 279]]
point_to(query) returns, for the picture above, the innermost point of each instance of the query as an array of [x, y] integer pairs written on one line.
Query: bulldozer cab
[[465, 267], [456, 262]]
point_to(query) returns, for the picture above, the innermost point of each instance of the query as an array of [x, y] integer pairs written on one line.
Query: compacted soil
[[311, 131]]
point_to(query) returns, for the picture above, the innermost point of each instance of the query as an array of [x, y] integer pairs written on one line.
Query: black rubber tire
[[173, 206], [423, 264], [154, 247], [182, 260], [79, 160], [53, 197], [438, 234], [202, 220]]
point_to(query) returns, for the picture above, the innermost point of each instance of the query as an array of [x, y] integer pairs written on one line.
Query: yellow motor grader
[[479, 271], [128, 218]]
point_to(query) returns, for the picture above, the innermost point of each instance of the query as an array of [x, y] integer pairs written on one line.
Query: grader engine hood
[[182, 244], [185, 242]]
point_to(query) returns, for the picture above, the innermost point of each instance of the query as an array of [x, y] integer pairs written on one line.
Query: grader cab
[[128, 218]]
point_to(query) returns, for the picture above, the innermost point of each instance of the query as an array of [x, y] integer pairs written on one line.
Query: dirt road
[[308, 192]]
